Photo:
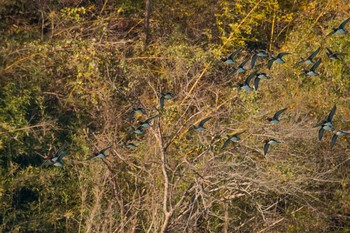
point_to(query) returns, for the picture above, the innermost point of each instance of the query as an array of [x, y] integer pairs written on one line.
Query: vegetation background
[[71, 70]]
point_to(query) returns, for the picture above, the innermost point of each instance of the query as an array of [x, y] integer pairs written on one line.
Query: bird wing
[[256, 83], [340, 54], [162, 101], [203, 121], [132, 114], [331, 114], [270, 62], [103, 150], [249, 78], [332, 32], [314, 67], [61, 152], [237, 134], [334, 139], [278, 113], [280, 55], [301, 60], [91, 157], [47, 163], [151, 118], [320, 133], [226, 143], [252, 63], [342, 25], [244, 62], [274, 140], [329, 52], [314, 53], [266, 148], [234, 54]]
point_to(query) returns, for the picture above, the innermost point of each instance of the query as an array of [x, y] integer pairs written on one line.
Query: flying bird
[[259, 77], [246, 85], [267, 144], [257, 53], [240, 68], [101, 154], [230, 59], [333, 55], [278, 59], [57, 158], [312, 71], [200, 126], [309, 60], [136, 111], [164, 96], [336, 135], [340, 29], [232, 138], [147, 123], [275, 119], [139, 130], [326, 124]]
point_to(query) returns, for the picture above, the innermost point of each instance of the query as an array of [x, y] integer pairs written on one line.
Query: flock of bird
[[325, 125]]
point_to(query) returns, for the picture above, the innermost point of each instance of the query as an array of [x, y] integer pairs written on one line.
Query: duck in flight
[[241, 68], [147, 123]]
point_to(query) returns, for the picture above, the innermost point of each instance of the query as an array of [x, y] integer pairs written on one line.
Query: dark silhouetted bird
[[246, 85], [164, 96], [340, 29], [241, 68], [309, 60], [146, 123], [259, 77], [101, 154], [257, 53], [337, 134], [312, 71], [332, 55], [57, 159], [136, 111], [275, 119], [326, 124], [232, 138], [230, 59], [139, 130], [278, 59], [267, 144], [200, 126]]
